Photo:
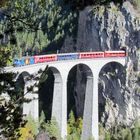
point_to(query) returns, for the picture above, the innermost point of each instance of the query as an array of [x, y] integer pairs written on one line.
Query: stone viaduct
[[61, 71]]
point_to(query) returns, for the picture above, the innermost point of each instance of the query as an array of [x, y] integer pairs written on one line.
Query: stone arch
[[23, 75], [77, 88], [48, 90], [112, 78], [21, 80]]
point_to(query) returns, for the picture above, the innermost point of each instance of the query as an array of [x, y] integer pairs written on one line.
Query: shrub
[[53, 129], [74, 127], [50, 128], [30, 129]]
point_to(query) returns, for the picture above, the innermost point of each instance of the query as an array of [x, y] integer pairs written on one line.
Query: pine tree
[[53, 129], [12, 99]]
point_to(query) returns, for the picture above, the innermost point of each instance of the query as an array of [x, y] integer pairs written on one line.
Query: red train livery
[[114, 54], [91, 55], [45, 58], [66, 56]]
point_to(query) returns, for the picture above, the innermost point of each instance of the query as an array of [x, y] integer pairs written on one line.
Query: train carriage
[[86, 55], [45, 58], [23, 61], [115, 54], [32, 60], [68, 56], [18, 62]]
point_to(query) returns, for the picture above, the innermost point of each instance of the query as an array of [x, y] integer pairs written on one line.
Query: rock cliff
[[111, 28]]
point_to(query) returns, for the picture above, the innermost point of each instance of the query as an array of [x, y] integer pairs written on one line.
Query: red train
[[66, 56]]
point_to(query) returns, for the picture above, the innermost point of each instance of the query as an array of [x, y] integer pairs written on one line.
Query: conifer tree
[[15, 16]]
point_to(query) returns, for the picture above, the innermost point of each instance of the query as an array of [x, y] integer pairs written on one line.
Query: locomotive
[[65, 56]]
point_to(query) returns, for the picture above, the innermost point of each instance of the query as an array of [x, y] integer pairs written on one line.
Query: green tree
[[34, 24], [12, 97], [30, 130], [11, 100], [125, 134], [16, 19], [74, 127], [136, 130], [50, 127], [107, 136]]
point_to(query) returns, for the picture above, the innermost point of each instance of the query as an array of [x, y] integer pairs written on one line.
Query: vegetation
[[30, 26], [136, 3], [14, 19], [51, 127], [20, 24], [11, 100], [30, 130], [122, 133], [33, 129], [74, 127]]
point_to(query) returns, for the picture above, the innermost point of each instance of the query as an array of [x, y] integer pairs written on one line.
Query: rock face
[[111, 28]]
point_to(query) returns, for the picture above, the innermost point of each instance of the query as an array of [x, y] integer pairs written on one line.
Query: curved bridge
[[61, 71]]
